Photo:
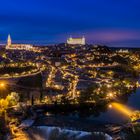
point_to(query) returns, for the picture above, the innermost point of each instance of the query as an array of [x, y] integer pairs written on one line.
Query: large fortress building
[[11, 46], [76, 41]]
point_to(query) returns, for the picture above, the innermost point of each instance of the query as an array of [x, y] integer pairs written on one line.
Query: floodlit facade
[[17, 46], [76, 41]]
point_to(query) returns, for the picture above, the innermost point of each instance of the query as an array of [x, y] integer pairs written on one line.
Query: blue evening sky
[[110, 22]]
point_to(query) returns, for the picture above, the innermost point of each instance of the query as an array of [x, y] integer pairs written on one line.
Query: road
[[20, 76]]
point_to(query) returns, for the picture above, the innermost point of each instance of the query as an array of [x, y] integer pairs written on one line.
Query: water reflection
[[122, 108], [101, 112]]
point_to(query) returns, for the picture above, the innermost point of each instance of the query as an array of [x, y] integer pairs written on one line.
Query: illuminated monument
[[17, 46], [9, 41], [76, 41]]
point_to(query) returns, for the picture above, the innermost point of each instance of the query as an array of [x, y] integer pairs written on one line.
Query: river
[[114, 116], [105, 116], [74, 125]]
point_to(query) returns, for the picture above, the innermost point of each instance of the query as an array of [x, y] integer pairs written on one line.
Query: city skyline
[[46, 22], [69, 69]]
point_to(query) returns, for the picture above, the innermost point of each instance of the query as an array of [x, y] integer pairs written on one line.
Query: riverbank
[[56, 133], [57, 128]]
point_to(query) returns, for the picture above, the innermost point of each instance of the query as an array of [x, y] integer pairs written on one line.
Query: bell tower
[[9, 41]]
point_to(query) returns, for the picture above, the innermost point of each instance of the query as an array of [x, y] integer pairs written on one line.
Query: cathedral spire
[[9, 41]]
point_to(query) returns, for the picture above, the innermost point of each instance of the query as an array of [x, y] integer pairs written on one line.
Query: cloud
[[113, 35]]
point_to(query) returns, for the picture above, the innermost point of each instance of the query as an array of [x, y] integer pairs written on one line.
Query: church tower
[[9, 41]]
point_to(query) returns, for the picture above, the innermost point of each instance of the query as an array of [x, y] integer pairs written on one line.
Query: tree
[[90, 95], [32, 100], [12, 99], [64, 100], [41, 94]]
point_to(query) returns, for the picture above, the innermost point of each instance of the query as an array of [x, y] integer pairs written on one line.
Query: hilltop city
[[54, 85]]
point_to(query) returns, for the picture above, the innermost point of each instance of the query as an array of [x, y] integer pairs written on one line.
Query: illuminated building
[[76, 41], [11, 46], [123, 51]]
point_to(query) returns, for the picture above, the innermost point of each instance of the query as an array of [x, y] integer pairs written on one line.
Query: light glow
[[121, 108], [2, 84]]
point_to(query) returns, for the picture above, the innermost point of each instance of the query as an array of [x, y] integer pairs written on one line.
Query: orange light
[[122, 108], [110, 95], [2, 85], [110, 106]]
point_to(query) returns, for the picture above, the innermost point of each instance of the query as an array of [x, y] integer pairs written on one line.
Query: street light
[[110, 95], [2, 85], [110, 106], [2, 88]]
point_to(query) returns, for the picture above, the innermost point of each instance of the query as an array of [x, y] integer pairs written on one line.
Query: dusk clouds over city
[[114, 23]]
